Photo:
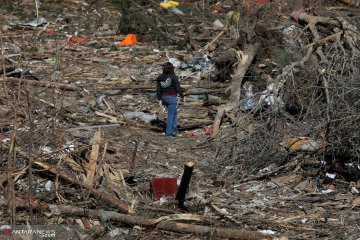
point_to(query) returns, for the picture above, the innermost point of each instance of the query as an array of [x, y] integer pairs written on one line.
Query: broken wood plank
[[90, 171], [112, 119]]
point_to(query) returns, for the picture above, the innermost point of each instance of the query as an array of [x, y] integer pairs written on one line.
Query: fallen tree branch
[[215, 39], [322, 41], [160, 224], [106, 197]]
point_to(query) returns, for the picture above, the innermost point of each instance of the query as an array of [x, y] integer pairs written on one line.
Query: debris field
[[269, 135]]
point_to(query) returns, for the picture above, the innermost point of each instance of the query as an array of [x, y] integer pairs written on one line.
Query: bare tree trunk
[[250, 52]]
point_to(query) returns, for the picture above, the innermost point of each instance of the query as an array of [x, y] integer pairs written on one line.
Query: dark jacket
[[168, 84]]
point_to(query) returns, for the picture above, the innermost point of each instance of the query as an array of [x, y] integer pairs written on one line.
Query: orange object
[[217, 8], [86, 223], [51, 31], [78, 39], [130, 39]]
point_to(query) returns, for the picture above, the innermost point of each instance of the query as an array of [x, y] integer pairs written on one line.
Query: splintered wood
[[93, 158]]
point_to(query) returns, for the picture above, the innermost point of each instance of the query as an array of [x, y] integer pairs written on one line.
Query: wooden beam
[[90, 170]]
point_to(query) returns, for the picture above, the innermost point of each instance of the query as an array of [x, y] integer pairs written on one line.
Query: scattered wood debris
[[269, 133]]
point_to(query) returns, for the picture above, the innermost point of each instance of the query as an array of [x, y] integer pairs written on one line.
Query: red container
[[164, 187]]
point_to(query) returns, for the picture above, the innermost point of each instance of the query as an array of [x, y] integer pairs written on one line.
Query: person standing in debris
[[167, 90]]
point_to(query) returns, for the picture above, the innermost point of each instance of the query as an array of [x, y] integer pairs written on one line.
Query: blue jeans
[[170, 102]]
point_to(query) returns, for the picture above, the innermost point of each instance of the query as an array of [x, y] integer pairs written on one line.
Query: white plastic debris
[[248, 102], [172, 60], [53, 210], [145, 117], [327, 191], [127, 97], [329, 175], [218, 24], [5, 140], [176, 10], [267, 232], [71, 147], [272, 185], [267, 97], [255, 188], [46, 149], [37, 22], [256, 203], [163, 200], [354, 190], [224, 211], [48, 186], [118, 232], [267, 169], [206, 211], [289, 29], [349, 164]]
